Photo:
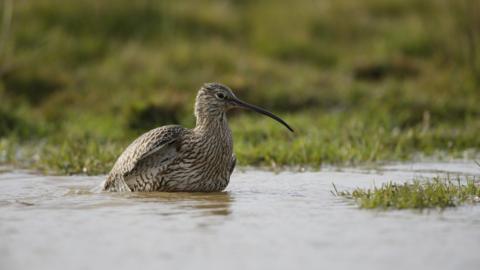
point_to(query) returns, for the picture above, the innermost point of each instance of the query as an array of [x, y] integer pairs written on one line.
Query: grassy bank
[[330, 139], [435, 193], [359, 82]]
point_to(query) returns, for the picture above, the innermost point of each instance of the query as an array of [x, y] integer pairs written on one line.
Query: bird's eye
[[220, 95]]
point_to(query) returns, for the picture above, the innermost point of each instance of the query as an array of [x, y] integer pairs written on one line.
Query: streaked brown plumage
[[173, 158]]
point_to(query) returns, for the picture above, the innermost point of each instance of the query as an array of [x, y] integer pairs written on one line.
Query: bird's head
[[214, 99]]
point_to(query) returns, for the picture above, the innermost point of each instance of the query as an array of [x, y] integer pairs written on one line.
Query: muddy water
[[263, 221]]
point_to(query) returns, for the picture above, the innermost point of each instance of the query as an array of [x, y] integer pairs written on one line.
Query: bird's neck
[[212, 125]]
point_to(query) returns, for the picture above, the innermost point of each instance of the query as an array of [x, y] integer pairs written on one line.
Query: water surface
[[263, 221]]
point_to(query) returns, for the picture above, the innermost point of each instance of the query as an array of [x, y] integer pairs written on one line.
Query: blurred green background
[[360, 81]]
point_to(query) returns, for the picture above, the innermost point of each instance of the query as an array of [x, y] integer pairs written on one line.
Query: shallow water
[[263, 221]]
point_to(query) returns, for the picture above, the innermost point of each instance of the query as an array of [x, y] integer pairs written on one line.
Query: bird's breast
[[206, 157]]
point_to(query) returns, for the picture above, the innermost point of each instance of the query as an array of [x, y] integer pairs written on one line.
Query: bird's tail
[[115, 183]]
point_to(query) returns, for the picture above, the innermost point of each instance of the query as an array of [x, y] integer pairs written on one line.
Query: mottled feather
[[151, 142]]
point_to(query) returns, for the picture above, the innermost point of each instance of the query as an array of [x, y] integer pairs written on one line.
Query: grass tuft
[[435, 193]]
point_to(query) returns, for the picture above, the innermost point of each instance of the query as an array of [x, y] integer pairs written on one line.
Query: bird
[[176, 159]]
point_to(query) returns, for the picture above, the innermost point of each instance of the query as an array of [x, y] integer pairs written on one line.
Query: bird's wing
[[152, 142]]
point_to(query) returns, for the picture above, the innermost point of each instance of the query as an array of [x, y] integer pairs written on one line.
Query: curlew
[[173, 158]]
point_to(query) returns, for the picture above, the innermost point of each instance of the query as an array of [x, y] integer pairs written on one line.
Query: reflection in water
[[217, 203], [203, 204]]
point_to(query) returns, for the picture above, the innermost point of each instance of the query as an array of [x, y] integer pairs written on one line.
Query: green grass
[[359, 82], [435, 193], [64, 156], [259, 141]]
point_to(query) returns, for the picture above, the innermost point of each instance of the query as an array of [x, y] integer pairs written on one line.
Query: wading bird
[[173, 158]]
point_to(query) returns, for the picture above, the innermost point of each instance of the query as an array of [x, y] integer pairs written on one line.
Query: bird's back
[[161, 143]]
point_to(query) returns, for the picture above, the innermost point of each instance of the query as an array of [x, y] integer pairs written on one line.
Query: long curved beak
[[237, 102]]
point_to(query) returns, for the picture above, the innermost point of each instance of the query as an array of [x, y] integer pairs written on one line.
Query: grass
[[436, 193], [259, 141], [360, 82]]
